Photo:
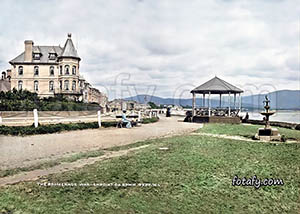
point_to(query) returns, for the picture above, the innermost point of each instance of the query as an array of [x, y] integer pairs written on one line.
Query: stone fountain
[[267, 133]]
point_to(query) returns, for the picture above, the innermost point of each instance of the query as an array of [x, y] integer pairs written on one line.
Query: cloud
[[171, 44]]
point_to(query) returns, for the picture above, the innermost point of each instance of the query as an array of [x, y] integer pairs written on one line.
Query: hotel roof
[[67, 51]]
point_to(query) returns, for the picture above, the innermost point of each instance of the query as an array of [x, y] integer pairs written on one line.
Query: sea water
[[289, 116]]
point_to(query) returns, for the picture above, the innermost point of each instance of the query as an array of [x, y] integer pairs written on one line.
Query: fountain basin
[[268, 113]]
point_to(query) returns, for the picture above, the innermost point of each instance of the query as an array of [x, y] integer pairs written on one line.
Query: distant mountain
[[284, 99]]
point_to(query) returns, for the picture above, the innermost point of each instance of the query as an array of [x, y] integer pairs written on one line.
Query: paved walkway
[[31, 150]]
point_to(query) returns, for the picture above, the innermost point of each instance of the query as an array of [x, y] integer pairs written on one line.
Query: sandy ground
[[30, 150]]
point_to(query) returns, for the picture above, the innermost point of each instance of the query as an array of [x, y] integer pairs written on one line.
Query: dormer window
[[36, 56], [52, 56]]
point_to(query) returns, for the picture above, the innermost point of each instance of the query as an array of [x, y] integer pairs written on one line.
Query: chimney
[[8, 72], [28, 50]]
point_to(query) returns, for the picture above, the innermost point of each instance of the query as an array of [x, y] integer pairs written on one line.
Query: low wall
[[216, 119], [7, 114], [274, 123]]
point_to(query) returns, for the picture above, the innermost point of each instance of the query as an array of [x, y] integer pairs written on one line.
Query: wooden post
[[203, 100], [229, 104], [234, 100], [209, 113], [220, 101], [240, 102], [99, 119], [36, 118], [194, 104], [139, 118]]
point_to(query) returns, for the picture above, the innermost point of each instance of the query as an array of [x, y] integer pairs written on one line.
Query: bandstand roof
[[216, 86]]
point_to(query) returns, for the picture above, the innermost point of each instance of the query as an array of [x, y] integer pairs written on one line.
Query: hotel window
[[67, 70], [36, 56], [74, 85], [60, 70], [74, 70], [60, 85], [51, 86], [67, 85], [52, 56], [20, 70], [51, 70], [36, 70], [36, 85], [20, 84]]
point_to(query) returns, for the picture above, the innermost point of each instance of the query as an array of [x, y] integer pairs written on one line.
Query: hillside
[[284, 99]]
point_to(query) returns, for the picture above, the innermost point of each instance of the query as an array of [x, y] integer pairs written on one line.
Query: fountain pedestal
[[267, 133]]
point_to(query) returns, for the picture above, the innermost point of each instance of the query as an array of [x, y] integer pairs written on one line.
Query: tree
[[153, 105]]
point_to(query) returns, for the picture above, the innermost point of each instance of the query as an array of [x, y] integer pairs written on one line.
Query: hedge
[[150, 120], [54, 128]]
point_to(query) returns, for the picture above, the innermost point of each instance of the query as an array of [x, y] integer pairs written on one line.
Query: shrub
[[52, 128], [24, 100], [150, 120]]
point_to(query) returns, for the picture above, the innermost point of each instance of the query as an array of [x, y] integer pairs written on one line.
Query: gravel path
[[31, 150]]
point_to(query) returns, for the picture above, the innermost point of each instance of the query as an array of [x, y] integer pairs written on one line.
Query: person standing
[[168, 114]]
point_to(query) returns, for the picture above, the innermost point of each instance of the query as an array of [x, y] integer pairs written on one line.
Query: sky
[[164, 47]]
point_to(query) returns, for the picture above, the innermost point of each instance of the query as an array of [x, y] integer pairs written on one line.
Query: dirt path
[[31, 150], [36, 174], [224, 136], [239, 138]]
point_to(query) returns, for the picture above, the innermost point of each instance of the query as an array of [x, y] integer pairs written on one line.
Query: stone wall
[[273, 123], [216, 119]]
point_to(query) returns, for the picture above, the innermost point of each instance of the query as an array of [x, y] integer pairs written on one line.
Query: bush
[[52, 128], [150, 120], [26, 101]]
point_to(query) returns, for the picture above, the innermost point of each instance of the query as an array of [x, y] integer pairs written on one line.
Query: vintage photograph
[[149, 106]]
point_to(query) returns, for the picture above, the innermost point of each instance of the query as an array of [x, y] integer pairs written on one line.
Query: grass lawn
[[246, 130], [195, 176]]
